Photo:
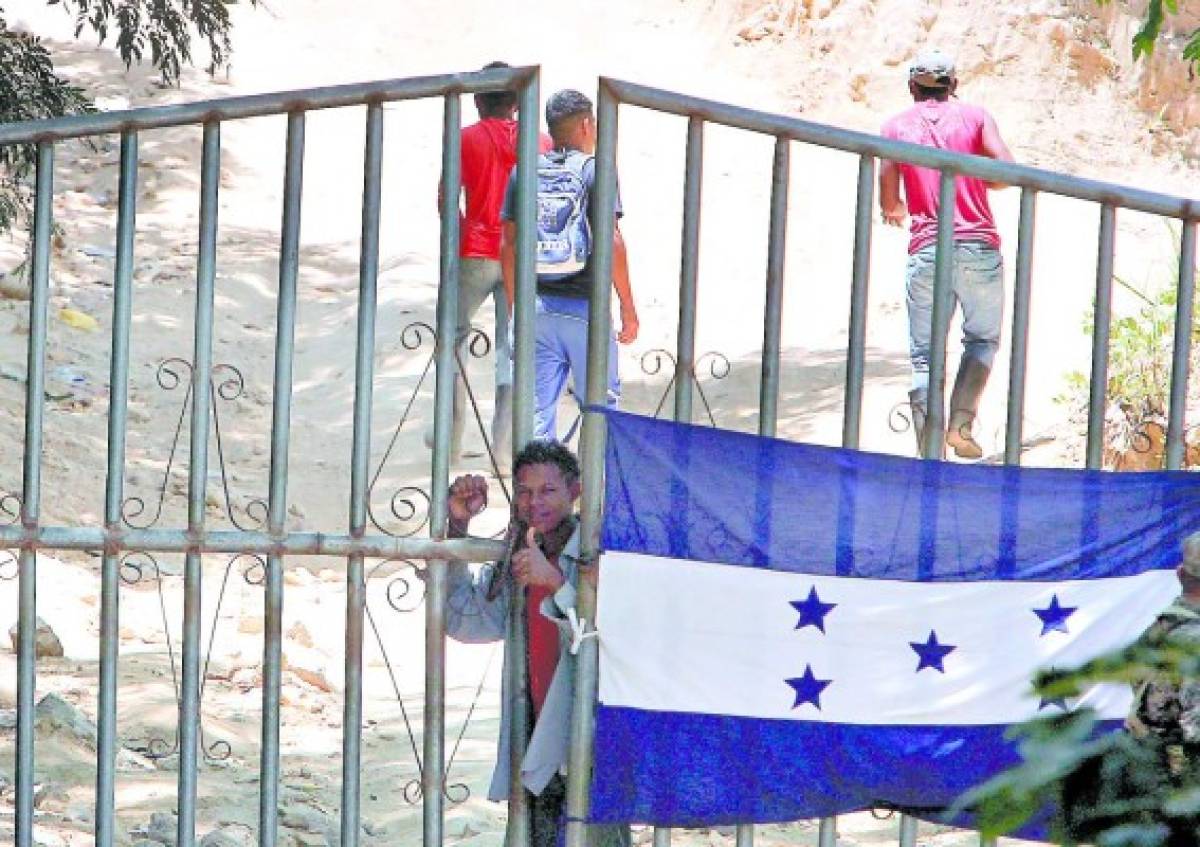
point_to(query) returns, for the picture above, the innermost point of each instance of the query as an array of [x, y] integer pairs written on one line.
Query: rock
[[81, 813], [15, 286], [129, 760], [299, 633], [298, 576], [48, 797], [161, 829], [246, 678], [309, 827], [54, 714], [374, 829], [303, 838], [228, 836], [46, 643], [308, 666], [250, 625]]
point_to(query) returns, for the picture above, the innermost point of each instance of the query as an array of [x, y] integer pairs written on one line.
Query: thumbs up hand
[[531, 567]]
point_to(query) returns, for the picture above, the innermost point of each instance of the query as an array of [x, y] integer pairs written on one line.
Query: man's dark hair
[[929, 92], [562, 107], [548, 452], [495, 104]]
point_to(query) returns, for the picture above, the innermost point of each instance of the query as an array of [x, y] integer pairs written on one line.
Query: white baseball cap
[[932, 69]]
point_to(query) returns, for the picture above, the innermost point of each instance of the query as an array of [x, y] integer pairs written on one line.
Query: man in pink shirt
[[938, 119]]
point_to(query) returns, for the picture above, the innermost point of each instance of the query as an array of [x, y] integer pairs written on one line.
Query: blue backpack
[[564, 236]]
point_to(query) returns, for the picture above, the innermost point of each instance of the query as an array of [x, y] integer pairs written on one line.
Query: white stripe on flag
[[705, 638]]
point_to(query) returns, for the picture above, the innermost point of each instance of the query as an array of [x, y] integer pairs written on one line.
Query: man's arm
[[620, 273], [508, 242], [470, 616], [993, 146], [890, 202]]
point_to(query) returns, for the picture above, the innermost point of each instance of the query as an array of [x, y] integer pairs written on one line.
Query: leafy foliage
[[1112, 790], [1151, 28], [158, 31], [1140, 360], [29, 89]]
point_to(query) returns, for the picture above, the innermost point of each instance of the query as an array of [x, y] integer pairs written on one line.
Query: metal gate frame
[[275, 543], [614, 93]]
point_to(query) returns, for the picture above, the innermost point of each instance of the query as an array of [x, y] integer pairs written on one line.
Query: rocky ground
[[1054, 73]]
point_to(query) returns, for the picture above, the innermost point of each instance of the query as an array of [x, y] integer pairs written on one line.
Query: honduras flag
[[790, 631]]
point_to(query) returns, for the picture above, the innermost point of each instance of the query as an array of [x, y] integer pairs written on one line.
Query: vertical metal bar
[[281, 422], [908, 830], [1176, 421], [579, 763], [118, 381], [856, 349], [434, 733], [689, 270], [768, 387], [31, 487], [943, 307], [662, 837], [744, 835], [1103, 320], [1022, 292], [827, 833], [206, 268], [364, 374], [517, 832]]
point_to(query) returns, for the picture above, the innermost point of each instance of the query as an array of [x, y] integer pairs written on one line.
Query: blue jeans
[[978, 287], [562, 330]]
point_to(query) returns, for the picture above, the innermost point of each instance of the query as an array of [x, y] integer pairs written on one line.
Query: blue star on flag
[[931, 653], [812, 611], [1054, 617], [808, 688]]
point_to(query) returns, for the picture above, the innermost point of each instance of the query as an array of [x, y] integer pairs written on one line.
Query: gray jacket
[[472, 619]]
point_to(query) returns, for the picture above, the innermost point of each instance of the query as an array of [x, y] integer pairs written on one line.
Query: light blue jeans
[[562, 330], [978, 287], [478, 278]]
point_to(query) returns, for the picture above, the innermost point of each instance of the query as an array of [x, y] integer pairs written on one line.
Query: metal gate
[[274, 542]]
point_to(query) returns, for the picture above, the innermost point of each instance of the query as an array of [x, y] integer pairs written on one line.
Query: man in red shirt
[[936, 119], [488, 154]]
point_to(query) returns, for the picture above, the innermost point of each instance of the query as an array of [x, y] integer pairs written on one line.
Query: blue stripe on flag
[[691, 492], [680, 770]]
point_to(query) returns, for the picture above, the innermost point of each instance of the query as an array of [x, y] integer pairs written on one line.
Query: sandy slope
[[1048, 119]]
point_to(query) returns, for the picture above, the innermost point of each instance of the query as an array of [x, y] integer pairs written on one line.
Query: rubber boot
[[918, 404], [502, 417], [964, 402]]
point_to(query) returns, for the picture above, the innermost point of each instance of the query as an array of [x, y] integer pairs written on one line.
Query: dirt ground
[[1065, 98]]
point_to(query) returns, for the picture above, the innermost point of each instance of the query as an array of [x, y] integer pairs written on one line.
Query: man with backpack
[[565, 220], [488, 154]]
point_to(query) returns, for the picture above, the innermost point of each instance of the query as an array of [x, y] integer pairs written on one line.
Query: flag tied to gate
[[790, 631]]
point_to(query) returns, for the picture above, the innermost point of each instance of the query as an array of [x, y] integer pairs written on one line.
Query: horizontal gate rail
[[260, 105], [852, 141], [237, 541]]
